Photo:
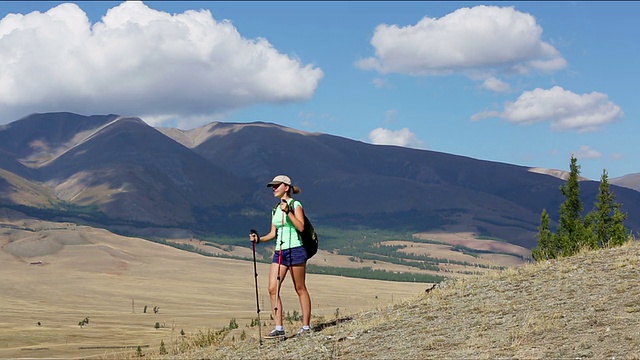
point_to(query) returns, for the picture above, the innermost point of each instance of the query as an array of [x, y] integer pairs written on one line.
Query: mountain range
[[120, 173]]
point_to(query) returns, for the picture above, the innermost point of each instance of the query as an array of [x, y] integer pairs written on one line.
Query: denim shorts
[[293, 256]]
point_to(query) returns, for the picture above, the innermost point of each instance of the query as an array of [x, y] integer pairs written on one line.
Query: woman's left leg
[[276, 271], [298, 275]]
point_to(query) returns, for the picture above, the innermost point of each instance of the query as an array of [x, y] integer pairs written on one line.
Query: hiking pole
[[278, 278], [279, 281], [255, 276]]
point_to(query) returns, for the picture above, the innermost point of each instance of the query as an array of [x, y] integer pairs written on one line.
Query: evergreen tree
[[571, 229], [547, 247], [602, 227], [619, 234], [608, 220], [603, 211]]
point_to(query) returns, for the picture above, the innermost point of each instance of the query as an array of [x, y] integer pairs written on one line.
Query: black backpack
[[308, 236]]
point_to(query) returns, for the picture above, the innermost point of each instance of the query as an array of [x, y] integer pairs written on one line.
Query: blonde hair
[[295, 189]]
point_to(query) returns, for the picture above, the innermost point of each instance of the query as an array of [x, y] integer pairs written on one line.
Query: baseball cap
[[279, 180]]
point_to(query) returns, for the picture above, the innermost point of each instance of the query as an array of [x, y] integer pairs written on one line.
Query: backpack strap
[[290, 204]]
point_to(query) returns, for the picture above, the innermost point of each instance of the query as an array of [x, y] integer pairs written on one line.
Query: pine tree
[[608, 220], [547, 246], [619, 234], [603, 211], [571, 229], [601, 227]]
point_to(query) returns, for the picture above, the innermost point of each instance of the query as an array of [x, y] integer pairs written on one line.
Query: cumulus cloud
[[469, 40], [563, 109], [403, 137], [586, 152], [142, 62]]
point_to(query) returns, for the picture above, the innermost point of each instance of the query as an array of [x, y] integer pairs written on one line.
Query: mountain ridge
[[631, 181], [212, 178]]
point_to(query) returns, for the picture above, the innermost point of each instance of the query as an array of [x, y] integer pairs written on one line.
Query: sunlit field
[[70, 291]]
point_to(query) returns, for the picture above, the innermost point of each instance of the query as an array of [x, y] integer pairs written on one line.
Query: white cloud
[[496, 85], [139, 61], [564, 109], [403, 137], [482, 38], [586, 152]]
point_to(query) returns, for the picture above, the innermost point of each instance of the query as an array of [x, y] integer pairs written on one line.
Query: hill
[[581, 307], [60, 273], [631, 181], [370, 203]]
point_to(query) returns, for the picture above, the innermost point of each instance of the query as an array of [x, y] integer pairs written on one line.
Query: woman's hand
[[284, 206], [254, 237]]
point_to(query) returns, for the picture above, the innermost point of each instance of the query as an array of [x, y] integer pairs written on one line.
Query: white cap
[[279, 180]]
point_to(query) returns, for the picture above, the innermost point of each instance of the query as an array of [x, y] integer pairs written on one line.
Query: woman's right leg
[[276, 301], [298, 274]]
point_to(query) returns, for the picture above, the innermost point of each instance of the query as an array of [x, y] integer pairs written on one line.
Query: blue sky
[[525, 83]]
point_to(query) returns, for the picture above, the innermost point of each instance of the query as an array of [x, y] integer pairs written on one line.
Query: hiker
[[289, 255]]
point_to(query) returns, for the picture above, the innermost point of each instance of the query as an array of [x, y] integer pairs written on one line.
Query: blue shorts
[[293, 256]]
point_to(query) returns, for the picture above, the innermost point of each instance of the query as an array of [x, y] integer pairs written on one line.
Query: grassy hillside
[[582, 307], [586, 306], [55, 275]]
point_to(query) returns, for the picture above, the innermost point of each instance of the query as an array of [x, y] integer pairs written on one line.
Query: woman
[[289, 256]]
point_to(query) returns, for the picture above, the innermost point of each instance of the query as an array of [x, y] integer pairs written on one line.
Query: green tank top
[[286, 234]]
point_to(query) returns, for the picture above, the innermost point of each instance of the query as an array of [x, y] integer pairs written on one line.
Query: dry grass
[[586, 306], [581, 307], [81, 272]]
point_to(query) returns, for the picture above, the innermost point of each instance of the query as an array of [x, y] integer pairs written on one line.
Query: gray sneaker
[[304, 331], [275, 334]]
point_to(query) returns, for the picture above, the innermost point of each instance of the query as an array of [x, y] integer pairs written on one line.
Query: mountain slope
[[20, 191], [212, 179], [631, 181], [580, 307], [8, 162], [346, 181], [133, 172], [38, 138]]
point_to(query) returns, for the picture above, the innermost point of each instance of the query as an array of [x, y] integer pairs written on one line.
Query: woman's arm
[[270, 236], [254, 237]]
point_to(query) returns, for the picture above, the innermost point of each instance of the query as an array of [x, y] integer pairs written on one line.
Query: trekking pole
[[279, 280], [255, 276]]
